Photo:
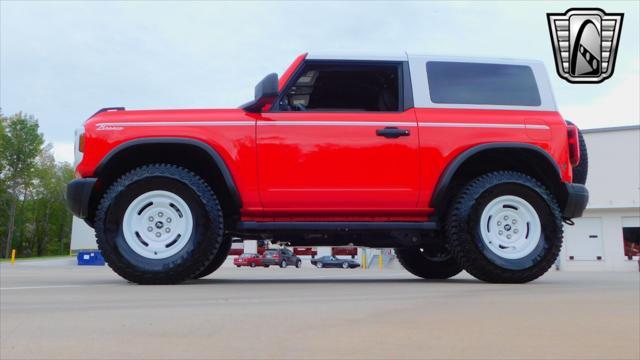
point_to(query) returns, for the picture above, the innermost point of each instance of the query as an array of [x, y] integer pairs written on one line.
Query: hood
[[120, 115]]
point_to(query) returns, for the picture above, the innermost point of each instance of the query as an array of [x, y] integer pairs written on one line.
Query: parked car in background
[[248, 259], [332, 261], [282, 257]]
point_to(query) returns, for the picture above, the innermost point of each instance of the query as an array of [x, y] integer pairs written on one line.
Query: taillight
[[574, 145]]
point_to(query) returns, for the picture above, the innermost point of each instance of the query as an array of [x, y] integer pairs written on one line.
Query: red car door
[[332, 161]]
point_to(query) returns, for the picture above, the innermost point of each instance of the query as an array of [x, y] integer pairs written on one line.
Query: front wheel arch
[[191, 154]]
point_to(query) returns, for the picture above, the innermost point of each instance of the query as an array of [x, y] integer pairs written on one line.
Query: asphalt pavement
[[53, 309]]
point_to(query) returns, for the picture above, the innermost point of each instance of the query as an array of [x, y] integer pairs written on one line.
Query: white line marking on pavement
[[51, 287]]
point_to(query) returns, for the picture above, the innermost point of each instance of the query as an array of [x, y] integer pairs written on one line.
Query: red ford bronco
[[457, 163]]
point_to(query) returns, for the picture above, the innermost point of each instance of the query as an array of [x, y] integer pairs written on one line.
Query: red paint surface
[[330, 172]]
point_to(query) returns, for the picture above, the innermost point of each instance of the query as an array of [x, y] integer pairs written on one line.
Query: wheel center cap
[[507, 227], [159, 224]]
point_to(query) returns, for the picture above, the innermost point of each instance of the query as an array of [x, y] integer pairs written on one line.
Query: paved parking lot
[[51, 309]]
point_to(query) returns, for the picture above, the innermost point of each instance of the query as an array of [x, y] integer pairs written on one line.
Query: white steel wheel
[[157, 224], [510, 227]]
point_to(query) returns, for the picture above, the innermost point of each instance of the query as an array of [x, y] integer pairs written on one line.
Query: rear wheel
[[217, 261], [433, 262], [298, 264], [159, 224], [345, 265], [319, 265], [283, 264], [505, 227], [252, 264]]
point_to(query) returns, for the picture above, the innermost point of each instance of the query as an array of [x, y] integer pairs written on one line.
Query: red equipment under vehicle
[[248, 259], [456, 163]]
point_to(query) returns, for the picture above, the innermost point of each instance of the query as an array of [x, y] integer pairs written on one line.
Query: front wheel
[[159, 224], [319, 265], [252, 265], [505, 227], [283, 264], [345, 265], [298, 264]]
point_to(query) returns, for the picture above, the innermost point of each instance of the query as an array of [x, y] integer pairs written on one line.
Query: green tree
[[21, 144]]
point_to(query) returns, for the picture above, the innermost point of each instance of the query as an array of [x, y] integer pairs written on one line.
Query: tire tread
[[179, 273], [464, 249]]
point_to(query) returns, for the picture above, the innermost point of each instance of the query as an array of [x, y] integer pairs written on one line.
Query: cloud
[[63, 151], [619, 106], [61, 61]]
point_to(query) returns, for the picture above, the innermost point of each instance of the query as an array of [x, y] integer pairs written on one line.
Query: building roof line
[[612, 128]]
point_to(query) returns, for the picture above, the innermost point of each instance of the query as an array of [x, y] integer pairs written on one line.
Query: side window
[[482, 84], [344, 87]]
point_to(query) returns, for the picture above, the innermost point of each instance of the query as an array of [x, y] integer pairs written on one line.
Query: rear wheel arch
[[481, 159], [191, 154]]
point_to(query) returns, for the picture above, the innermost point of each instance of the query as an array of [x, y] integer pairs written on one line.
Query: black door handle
[[392, 132]]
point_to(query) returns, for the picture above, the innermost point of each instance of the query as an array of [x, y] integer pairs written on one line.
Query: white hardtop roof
[[403, 56]]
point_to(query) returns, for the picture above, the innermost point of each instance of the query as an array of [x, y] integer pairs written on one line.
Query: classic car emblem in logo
[[585, 42]]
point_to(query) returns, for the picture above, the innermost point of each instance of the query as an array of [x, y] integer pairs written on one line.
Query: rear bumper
[[577, 199], [78, 195]]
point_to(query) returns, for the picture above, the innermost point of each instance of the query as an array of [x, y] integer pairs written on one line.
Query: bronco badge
[[585, 42]]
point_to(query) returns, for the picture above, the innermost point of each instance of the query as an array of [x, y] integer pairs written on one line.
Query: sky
[[61, 61]]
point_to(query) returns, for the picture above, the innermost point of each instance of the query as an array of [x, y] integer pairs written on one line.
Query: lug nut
[[160, 214], [167, 230], [499, 223], [515, 231], [513, 221], [506, 217], [158, 234], [500, 232], [149, 229], [508, 236], [168, 219], [150, 218]]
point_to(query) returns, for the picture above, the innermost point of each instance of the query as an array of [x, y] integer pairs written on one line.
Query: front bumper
[[78, 195], [577, 199]]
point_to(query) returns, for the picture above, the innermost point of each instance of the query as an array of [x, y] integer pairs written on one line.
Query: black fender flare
[[222, 166], [439, 193]]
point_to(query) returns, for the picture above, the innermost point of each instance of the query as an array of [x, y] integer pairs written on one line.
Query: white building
[[596, 241]]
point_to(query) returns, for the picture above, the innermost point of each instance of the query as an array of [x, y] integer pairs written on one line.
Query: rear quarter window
[[482, 84]]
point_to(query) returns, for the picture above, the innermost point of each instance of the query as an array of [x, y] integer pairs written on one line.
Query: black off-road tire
[[217, 261], [202, 246], [417, 262], [465, 239], [581, 170]]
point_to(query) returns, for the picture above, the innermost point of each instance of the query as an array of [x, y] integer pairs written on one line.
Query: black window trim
[[405, 92]]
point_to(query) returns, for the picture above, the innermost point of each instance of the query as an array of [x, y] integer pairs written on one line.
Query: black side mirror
[[265, 93]]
